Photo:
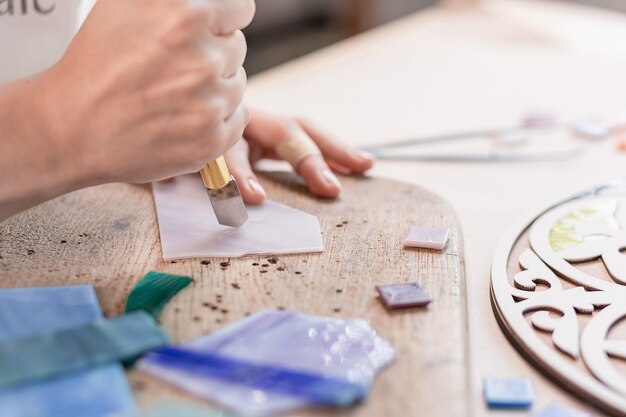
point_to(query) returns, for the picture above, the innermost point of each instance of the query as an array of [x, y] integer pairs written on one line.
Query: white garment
[[34, 34]]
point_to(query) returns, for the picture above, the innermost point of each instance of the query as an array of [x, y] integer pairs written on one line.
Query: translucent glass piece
[[98, 392], [189, 229], [347, 350]]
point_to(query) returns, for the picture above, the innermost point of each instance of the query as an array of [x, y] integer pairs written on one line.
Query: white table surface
[[448, 70]]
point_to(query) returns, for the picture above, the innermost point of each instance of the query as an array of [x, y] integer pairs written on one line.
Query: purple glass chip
[[403, 295]]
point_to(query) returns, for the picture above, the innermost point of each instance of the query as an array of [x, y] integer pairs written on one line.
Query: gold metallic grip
[[215, 174]]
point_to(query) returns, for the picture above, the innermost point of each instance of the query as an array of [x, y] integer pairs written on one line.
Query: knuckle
[[246, 116], [248, 9], [242, 75], [188, 19], [239, 41], [213, 64], [216, 109], [236, 84], [200, 120], [232, 15], [211, 113], [238, 49]]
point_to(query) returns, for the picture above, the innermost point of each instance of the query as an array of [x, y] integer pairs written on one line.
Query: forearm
[[35, 166]]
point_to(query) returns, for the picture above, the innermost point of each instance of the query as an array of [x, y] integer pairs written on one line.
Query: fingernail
[[256, 186], [330, 178], [363, 155]]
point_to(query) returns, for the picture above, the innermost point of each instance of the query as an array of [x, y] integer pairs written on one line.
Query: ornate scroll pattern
[[560, 281]]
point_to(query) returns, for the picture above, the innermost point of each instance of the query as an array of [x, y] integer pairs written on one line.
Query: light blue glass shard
[[98, 392]]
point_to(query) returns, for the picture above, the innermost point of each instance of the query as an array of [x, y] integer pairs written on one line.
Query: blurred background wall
[[285, 29], [610, 4]]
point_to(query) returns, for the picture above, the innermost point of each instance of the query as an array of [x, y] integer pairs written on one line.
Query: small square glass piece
[[425, 237], [403, 295], [508, 392]]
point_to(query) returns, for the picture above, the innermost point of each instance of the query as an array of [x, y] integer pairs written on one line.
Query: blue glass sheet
[[98, 392], [314, 388]]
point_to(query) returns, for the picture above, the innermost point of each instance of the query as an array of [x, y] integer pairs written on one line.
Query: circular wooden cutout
[[558, 292]]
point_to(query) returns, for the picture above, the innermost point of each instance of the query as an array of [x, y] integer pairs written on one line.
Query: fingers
[[318, 177], [233, 48], [344, 159], [270, 131], [234, 126], [286, 139], [212, 125], [239, 166], [302, 153], [231, 15], [232, 90]]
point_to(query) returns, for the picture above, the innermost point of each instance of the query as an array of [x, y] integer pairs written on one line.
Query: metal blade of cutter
[[228, 204]]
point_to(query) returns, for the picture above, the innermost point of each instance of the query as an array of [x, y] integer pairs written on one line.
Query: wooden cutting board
[[107, 236]]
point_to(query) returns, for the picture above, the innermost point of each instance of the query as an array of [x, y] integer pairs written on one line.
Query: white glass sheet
[[189, 229]]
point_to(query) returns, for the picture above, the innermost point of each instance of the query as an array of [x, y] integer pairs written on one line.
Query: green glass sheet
[[56, 353], [154, 291]]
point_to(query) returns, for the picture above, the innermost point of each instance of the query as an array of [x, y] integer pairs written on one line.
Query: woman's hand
[[147, 90], [265, 132], [152, 88]]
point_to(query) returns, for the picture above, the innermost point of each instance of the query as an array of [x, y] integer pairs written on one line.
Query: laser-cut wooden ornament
[[558, 290]]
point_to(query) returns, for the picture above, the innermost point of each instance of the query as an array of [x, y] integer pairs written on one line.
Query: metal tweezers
[[479, 156]]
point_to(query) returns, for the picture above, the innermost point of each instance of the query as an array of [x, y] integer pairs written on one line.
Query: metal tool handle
[[215, 174]]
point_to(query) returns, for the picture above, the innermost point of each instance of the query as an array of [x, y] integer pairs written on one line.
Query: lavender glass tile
[[403, 295], [98, 392], [425, 237]]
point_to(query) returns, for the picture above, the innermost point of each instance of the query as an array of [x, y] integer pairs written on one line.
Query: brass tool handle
[[215, 174]]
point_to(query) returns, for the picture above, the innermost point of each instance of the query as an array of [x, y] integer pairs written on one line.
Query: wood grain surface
[[107, 236]]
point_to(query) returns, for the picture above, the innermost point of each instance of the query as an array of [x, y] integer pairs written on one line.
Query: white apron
[[34, 34]]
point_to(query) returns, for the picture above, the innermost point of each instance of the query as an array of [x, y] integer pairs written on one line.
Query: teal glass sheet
[[29, 359], [97, 392], [154, 291]]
